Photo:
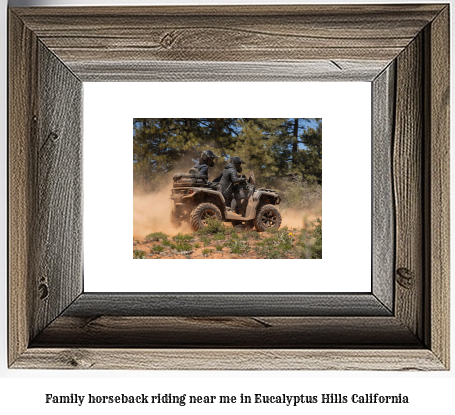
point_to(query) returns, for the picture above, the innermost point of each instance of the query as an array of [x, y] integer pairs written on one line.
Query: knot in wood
[[168, 39], [76, 359], [53, 137], [43, 291], [405, 278]]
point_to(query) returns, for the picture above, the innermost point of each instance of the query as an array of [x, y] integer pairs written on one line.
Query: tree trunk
[[294, 141]]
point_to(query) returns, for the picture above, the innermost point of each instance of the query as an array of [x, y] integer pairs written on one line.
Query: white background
[[23, 391], [345, 109]]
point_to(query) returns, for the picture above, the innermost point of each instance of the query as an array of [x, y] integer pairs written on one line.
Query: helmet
[[237, 162], [207, 157]]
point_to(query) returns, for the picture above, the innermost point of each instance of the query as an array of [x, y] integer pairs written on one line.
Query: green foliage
[[219, 237], [253, 234], [279, 244], [316, 249], [205, 240], [160, 143], [230, 231], [183, 246], [272, 230], [213, 226], [138, 254], [274, 148], [274, 244], [310, 243], [156, 236], [182, 237], [237, 247], [301, 194], [273, 254], [158, 248]]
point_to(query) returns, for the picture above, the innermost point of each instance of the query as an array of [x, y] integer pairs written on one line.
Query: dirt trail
[[151, 214], [228, 243]]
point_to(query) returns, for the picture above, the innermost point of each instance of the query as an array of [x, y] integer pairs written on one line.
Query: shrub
[[310, 243], [237, 247], [316, 249], [213, 226], [219, 247], [183, 246], [156, 236], [235, 235], [301, 194], [138, 254], [158, 248], [182, 237], [206, 252], [205, 240], [219, 236], [273, 254]]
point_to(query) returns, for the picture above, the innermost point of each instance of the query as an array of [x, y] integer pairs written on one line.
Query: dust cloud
[[301, 218], [152, 213], [152, 210]]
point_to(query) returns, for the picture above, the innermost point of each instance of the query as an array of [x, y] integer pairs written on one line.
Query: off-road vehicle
[[196, 200]]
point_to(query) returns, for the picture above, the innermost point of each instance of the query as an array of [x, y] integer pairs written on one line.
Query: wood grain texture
[[56, 48], [256, 332], [439, 190], [212, 305], [227, 34], [45, 187], [58, 194], [22, 131], [229, 359], [408, 188], [205, 71], [383, 215]]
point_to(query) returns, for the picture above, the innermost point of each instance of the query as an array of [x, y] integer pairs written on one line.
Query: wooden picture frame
[[403, 324]]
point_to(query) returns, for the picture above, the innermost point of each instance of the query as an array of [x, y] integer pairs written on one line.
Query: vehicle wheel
[[201, 213], [268, 217]]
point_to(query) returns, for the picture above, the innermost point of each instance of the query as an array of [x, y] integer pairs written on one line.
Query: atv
[[196, 200]]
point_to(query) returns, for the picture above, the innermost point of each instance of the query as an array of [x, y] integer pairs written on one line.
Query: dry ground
[[218, 241]]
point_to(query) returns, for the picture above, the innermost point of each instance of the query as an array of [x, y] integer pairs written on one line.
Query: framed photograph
[[401, 322], [289, 175]]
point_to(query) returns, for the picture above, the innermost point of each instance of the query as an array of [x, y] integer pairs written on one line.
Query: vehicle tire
[[268, 217], [201, 213]]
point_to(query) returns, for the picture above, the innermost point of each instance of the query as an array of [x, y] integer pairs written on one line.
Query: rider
[[205, 161], [229, 177]]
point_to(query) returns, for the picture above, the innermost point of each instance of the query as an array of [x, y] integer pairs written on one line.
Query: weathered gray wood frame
[[403, 50]]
